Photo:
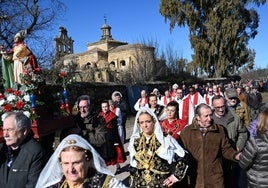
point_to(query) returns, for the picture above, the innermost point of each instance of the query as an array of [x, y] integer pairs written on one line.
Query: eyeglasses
[[82, 107], [233, 98], [219, 107]]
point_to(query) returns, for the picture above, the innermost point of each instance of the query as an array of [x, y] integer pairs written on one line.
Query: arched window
[[112, 65], [87, 66], [122, 63]]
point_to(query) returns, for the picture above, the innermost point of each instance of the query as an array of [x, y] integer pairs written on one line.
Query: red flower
[[2, 96], [19, 105], [63, 74], [62, 106], [17, 93], [9, 90], [7, 107]]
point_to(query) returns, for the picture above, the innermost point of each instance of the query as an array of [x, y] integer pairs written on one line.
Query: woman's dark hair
[[176, 105]]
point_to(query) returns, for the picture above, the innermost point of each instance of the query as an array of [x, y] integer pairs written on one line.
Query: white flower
[[27, 113], [2, 102], [26, 98], [11, 97]]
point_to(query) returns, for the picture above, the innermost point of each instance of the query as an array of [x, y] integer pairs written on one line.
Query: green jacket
[[237, 132]]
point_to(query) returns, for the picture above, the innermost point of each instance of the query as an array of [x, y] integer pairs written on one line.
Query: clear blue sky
[[135, 20]]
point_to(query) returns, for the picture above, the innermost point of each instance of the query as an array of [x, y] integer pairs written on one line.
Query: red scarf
[[174, 127], [109, 118], [195, 98], [166, 100], [185, 109], [145, 101], [207, 99]]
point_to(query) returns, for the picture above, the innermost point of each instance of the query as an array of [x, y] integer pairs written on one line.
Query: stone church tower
[[63, 44], [106, 60]]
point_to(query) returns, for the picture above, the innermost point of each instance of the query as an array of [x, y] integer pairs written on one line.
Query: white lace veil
[[169, 146], [52, 172]]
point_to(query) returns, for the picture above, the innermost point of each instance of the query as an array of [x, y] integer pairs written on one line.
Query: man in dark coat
[[89, 124], [208, 144], [21, 157], [254, 99]]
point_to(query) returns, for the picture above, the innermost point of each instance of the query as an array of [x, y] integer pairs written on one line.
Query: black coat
[[28, 164], [254, 159], [92, 128]]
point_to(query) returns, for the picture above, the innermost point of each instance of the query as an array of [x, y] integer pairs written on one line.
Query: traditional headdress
[[21, 34], [169, 146], [116, 93], [52, 173]]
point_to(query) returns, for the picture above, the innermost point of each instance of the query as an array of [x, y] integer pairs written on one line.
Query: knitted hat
[[231, 93]]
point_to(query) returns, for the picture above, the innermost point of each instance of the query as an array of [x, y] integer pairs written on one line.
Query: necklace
[[65, 184], [145, 153]]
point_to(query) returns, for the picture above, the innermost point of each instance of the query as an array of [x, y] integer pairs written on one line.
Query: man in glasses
[[239, 107], [209, 95], [89, 124], [237, 134]]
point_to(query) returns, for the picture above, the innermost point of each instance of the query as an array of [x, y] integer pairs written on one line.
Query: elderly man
[[254, 99], [142, 101], [239, 107], [21, 157], [237, 134], [208, 144], [90, 124]]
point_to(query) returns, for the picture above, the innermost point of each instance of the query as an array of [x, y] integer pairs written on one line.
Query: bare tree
[[144, 67], [171, 60], [35, 17]]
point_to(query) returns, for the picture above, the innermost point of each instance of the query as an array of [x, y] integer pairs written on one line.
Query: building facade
[[108, 60]]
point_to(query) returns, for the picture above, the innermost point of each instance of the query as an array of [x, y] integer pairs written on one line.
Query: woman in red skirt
[[113, 147]]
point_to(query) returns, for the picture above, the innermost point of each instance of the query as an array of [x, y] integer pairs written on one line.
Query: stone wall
[[103, 91]]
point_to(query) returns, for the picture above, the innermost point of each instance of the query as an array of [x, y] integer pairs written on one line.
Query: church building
[[107, 60]]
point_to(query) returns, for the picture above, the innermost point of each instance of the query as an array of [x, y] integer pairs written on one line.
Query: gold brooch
[[71, 141]]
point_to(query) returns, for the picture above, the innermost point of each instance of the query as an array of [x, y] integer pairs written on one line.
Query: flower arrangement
[[22, 98], [65, 77], [31, 81], [16, 100]]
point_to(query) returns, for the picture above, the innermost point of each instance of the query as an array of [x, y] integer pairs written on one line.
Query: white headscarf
[[114, 93], [52, 173], [169, 146]]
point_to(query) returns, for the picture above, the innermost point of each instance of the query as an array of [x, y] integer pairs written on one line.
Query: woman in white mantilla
[[76, 164], [155, 158]]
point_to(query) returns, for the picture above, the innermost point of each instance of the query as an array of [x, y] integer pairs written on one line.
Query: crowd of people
[[191, 136]]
